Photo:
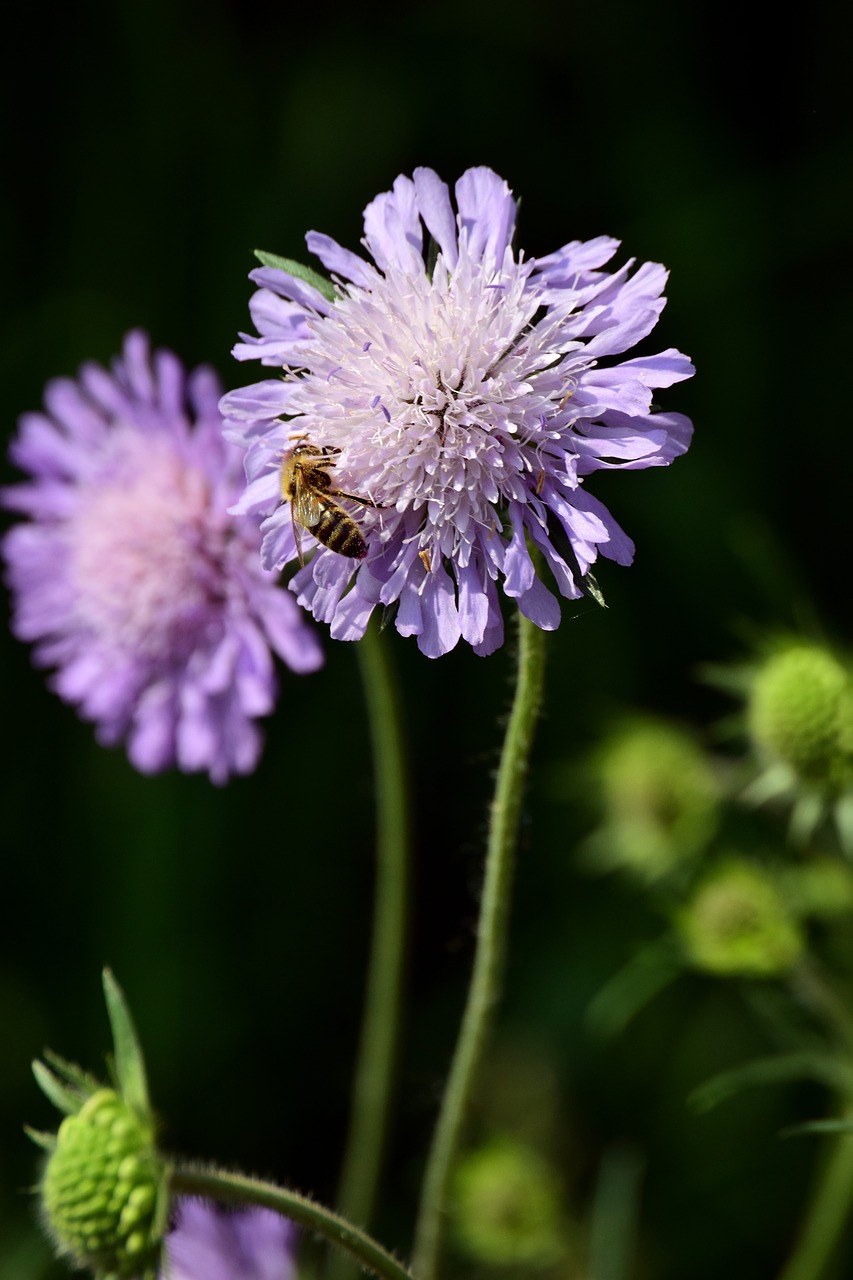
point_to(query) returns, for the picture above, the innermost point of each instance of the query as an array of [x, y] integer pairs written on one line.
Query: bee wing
[[297, 535], [308, 507]]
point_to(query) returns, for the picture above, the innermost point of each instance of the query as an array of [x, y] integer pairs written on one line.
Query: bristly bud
[[801, 713], [507, 1206], [101, 1188], [738, 923], [659, 797], [104, 1187]]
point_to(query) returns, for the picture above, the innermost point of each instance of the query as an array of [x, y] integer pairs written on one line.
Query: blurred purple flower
[[468, 401], [209, 1242], [130, 576]]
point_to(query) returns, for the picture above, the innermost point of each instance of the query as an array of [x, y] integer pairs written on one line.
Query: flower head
[[462, 403], [130, 576], [210, 1242]]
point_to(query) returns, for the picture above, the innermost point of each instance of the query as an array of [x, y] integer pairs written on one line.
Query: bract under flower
[[468, 400], [130, 576]]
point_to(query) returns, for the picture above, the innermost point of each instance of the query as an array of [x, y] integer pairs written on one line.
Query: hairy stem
[[216, 1184], [380, 1027], [487, 975]]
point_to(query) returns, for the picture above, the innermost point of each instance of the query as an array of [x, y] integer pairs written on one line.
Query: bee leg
[[363, 502]]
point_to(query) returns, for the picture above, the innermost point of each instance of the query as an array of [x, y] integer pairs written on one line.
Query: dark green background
[[147, 149]]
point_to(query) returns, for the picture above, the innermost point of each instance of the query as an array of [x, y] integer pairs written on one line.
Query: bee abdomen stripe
[[339, 533]]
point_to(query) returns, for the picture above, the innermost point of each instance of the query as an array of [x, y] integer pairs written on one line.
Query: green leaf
[[129, 1063], [299, 272], [776, 1070], [66, 1099], [632, 987], [817, 1126]]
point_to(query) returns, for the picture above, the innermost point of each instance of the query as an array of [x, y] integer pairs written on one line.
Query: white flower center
[[436, 391], [143, 550]]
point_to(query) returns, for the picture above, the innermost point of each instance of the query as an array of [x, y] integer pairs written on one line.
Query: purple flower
[[467, 400], [130, 576], [209, 1242]]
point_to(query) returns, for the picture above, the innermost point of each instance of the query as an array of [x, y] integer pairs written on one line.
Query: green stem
[[380, 1028], [234, 1188], [827, 1215], [486, 978]]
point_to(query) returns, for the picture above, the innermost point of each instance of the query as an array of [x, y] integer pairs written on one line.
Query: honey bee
[[307, 486]]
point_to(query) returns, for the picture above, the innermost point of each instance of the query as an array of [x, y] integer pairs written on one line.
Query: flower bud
[[104, 1189], [800, 710], [101, 1188], [506, 1206], [659, 799], [738, 923]]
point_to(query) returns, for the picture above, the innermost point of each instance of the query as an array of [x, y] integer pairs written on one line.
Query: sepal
[[66, 1098], [127, 1055], [47, 1141]]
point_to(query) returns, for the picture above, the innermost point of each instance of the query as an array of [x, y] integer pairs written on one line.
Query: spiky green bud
[[659, 797], [506, 1206], [738, 923], [104, 1189], [101, 1188], [799, 712]]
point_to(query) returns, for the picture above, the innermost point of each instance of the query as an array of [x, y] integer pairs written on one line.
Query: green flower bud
[[659, 797], [738, 923], [801, 712], [101, 1188], [506, 1206], [104, 1190]]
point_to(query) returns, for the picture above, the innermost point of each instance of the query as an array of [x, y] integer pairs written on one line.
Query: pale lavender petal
[[540, 605], [343, 262], [437, 212], [266, 400], [130, 578], [392, 228], [462, 410], [277, 317], [486, 213], [662, 370], [574, 260], [288, 286], [441, 629], [474, 611]]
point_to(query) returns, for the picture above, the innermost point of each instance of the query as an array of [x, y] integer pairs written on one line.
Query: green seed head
[[738, 923], [506, 1206], [102, 1186], [800, 712], [659, 798]]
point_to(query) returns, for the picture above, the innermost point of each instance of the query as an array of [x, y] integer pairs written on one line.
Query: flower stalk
[[234, 1188], [828, 1212], [486, 979], [381, 1025]]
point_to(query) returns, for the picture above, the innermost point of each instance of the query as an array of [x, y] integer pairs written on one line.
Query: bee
[[307, 486]]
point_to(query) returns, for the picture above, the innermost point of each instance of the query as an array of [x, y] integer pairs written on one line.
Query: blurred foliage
[[154, 147]]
